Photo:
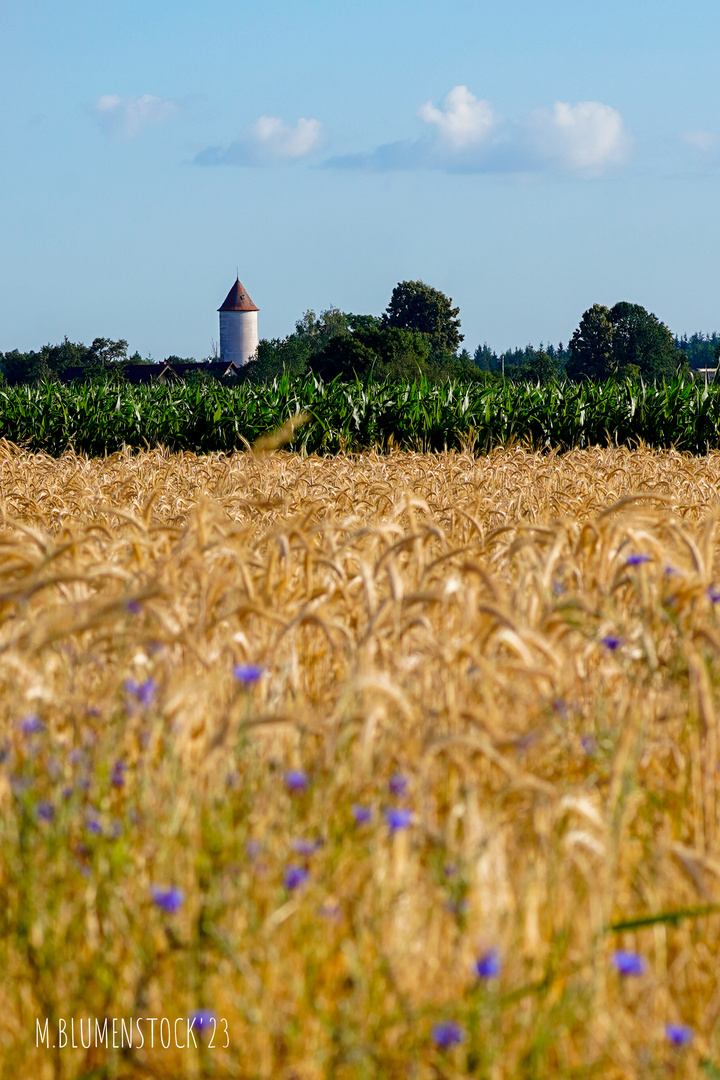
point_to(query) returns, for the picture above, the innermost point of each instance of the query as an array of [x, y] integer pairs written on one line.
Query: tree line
[[418, 334]]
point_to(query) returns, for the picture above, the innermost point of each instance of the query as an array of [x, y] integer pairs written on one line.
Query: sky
[[527, 158]]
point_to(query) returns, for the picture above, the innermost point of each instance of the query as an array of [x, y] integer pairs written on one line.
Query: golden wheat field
[[397, 766]]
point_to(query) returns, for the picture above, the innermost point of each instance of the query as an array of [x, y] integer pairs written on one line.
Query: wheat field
[[402, 766]]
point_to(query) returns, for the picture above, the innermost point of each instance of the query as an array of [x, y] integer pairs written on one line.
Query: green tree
[[541, 367], [389, 351], [591, 346], [641, 341], [29, 367], [417, 306]]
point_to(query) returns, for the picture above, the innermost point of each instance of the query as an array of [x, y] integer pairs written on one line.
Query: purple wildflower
[[678, 1034], [560, 708], [449, 870], [398, 784], [637, 560], [247, 673], [168, 900], [306, 847], [67, 792], [612, 642], [398, 817], [714, 594], [447, 1034], [46, 810], [204, 1018], [253, 849], [488, 965], [117, 779], [75, 757], [295, 780], [31, 724], [134, 607], [144, 692], [329, 910], [294, 877], [589, 744], [93, 825], [628, 963], [362, 814]]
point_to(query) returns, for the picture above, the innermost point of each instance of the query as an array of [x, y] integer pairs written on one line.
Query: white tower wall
[[238, 336]]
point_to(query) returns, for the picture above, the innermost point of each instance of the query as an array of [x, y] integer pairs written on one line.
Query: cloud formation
[[266, 142], [125, 118], [706, 142], [462, 121], [586, 137], [464, 134]]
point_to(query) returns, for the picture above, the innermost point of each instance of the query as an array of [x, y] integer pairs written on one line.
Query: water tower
[[238, 327]]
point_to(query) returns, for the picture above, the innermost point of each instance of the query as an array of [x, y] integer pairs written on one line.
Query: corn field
[[386, 766], [205, 417]]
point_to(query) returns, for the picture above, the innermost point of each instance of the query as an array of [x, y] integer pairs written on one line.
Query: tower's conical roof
[[238, 300]]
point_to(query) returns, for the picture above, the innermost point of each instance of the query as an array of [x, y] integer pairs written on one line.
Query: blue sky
[[529, 159]]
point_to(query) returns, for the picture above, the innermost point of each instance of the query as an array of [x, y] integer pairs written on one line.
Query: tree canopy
[[417, 306], [622, 340]]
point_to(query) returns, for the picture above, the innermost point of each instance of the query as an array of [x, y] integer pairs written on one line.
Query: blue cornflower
[[447, 1034], [398, 784], [247, 673], [144, 692], [295, 780], [398, 817], [628, 963], [488, 965], [362, 814], [678, 1034], [589, 744], [93, 825], [117, 778], [295, 876], [204, 1018], [46, 810], [714, 594], [31, 724], [637, 560], [168, 900], [612, 642], [306, 847]]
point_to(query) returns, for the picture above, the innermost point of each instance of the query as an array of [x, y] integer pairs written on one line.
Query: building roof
[[238, 300]]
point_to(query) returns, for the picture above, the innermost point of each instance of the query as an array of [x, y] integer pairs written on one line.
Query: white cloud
[[586, 137], [268, 141], [464, 134], [704, 141], [463, 120], [126, 118]]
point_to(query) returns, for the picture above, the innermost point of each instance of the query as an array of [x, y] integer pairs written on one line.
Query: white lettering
[[61, 1033], [124, 1031], [165, 1020], [42, 1034], [101, 1033]]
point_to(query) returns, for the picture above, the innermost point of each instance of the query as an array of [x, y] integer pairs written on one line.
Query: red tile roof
[[238, 300]]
